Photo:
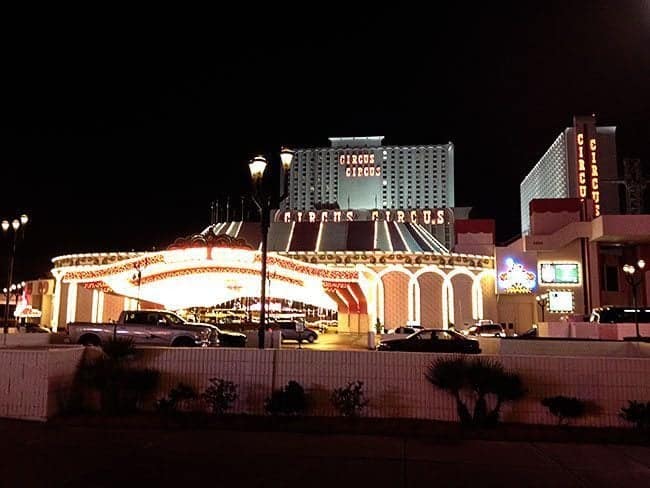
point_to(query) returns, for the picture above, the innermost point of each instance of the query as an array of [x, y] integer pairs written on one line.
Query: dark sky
[[123, 126]]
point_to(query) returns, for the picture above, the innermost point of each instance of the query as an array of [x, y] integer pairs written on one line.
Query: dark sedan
[[432, 340], [229, 338]]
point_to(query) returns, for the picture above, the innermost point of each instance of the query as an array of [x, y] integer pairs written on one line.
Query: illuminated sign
[[414, 216], [595, 192], [587, 162], [582, 168], [559, 273], [516, 279], [359, 165], [560, 301]]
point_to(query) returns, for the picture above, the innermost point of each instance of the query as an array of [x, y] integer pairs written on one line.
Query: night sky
[[121, 126]]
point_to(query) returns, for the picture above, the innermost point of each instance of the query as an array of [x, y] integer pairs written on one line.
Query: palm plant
[[482, 378]]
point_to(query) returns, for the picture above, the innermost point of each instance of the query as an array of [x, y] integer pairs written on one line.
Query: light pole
[[15, 226], [542, 300], [265, 198], [634, 280]]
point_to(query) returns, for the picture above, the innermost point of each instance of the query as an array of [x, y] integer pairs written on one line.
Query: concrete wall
[[395, 383], [35, 383]]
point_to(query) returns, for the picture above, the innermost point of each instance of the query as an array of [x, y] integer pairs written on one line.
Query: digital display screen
[[556, 273], [560, 301]]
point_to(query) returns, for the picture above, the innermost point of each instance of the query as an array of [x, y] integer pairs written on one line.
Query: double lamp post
[[16, 226], [266, 197], [634, 279]]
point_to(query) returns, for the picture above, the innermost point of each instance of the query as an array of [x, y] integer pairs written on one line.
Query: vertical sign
[[587, 161]]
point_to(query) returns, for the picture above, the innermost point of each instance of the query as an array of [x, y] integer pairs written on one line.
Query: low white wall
[[18, 339], [592, 330], [395, 383], [573, 347], [35, 382]]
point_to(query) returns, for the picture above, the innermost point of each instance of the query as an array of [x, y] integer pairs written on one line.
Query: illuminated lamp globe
[[15, 223], [641, 264], [286, 155], [257, 167], [5, 225], [24, 219]]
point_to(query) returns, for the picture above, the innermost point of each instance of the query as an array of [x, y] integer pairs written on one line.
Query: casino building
[[366, 232], [581, 163]]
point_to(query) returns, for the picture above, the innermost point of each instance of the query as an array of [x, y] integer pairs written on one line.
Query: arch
[[443, 295], [394, 313]]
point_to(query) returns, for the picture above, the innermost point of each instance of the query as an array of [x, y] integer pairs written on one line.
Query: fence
[[35, 383]]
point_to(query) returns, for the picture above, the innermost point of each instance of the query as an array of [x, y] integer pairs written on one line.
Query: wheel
[[90, 340], [310, 339], [183, 342]]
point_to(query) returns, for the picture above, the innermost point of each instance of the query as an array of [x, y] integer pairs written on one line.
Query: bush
[[181, 392], [637, 413], [565, 408], [350, 400], [220, 395], [290, 400], [483, 378], [121, 386]]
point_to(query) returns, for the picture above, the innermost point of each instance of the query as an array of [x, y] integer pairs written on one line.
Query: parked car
[[432, 340], [229, 338], [405, 329], [35, 328], [486, 330], [294, 330]]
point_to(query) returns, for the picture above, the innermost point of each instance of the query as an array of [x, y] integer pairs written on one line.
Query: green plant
[[290, 400], [180, 393], [220, 395], [637, 413], [565, 408], [483, 379], [350, 400], [121, 386]]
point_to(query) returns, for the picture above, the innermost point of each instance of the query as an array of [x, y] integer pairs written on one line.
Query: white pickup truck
[[145, 327]]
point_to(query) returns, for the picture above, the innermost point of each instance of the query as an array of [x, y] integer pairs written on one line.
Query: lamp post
[[542, 300], [14, 226], [634, 279], [265, 198]]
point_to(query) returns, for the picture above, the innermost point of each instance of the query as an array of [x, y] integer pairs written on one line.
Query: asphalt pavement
[[59, 455]]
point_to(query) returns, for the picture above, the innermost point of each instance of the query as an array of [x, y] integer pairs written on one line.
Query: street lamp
[[542, 300], [265, 197], [15, 226], [634, 280]]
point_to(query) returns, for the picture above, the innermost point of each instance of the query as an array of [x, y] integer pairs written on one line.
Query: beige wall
[[430, 300], [395, 383]]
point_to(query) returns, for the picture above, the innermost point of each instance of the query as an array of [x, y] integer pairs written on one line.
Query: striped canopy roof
[[334, 236]]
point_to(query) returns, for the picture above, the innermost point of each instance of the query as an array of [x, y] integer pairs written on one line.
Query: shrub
[[121, 386], [637, 413], [565, 408], [482, 378], [350, 400], [180, 393], [290, 400], [220, 395]]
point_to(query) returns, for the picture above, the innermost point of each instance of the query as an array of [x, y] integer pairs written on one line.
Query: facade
[[361, 173], [581, 163], [571, 264]]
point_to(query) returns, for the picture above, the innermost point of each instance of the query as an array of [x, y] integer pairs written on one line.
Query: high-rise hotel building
[[581, 163], [361, 173]]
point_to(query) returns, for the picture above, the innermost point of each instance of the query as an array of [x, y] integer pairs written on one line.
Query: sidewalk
[[67, 455]]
